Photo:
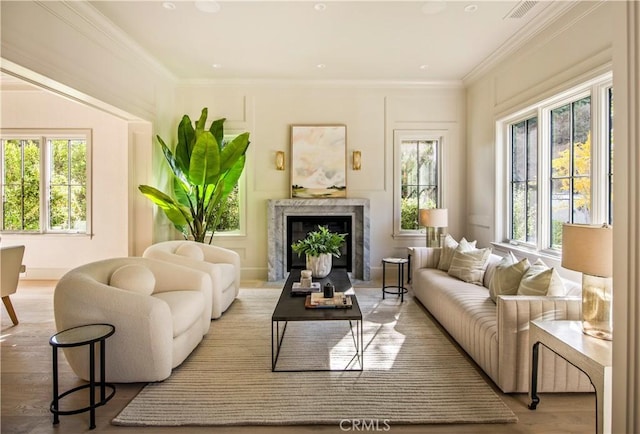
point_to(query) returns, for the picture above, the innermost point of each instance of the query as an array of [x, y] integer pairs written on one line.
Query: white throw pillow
[[190, 250], [469, 265], [136, 278], [449, 247], [539, 279], [507, 276]]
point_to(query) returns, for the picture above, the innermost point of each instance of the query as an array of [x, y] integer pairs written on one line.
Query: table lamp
[[435, 220], [589, 250]]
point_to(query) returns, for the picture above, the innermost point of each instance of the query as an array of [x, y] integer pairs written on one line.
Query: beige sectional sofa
[[496, 335]]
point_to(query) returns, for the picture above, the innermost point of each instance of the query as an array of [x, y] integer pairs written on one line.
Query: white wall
[[49, 256], [370, 112]]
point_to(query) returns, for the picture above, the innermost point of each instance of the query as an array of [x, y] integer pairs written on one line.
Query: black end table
[[89, 334], [399, 289]]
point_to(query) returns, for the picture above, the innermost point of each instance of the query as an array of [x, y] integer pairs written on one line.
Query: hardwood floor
[[26, 389]]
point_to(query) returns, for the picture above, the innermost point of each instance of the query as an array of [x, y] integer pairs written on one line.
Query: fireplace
[[278, 249], [298, 226]]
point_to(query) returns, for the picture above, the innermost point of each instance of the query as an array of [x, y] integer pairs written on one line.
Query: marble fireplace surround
[[279, 209]]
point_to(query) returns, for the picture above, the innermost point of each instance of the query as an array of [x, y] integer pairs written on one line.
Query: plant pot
[[320, 266]]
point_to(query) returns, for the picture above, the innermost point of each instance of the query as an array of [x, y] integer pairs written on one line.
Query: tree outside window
[[419, 180]]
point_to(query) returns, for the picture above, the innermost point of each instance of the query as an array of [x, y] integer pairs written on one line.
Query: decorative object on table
[[589, 250], [338, 300], [319, 247], [328, 290], [435, 221], [206, 167], [305, 278], [318, 161]]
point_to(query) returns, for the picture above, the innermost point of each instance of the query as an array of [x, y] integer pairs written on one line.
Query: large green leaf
[[217, 129], [178, 214], [233, 151], [186, 140], [173, 163], [200, 123], [204, 166], [233, 175]]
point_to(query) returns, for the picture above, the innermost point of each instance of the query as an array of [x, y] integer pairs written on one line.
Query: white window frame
[[597, 89], [399, 136], [44, 135]]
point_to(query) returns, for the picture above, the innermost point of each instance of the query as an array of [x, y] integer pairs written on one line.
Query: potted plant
[[205, 168], [319, 247]]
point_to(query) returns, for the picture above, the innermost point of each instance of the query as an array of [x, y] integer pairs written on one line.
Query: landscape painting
[[318, 161]]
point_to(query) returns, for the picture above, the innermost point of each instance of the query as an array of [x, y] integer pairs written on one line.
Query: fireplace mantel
[[279, 209]]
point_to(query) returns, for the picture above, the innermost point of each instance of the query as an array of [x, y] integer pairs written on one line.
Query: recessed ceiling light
[[471, 8], [216, 66], [424, 67], [321, 66], [209, 6], [319, 6], [169, 5], [433, 7]]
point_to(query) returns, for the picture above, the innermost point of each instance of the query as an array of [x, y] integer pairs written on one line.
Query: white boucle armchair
[[160, 315], [222, 265]]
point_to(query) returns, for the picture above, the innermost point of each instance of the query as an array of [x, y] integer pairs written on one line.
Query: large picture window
[[44, 182], [559, 162]]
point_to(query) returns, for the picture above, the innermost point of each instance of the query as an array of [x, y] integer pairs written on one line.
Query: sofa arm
[[514, 349], [423, 257]]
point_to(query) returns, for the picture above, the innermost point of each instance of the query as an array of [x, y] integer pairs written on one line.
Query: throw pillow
[[136, 278], [190, 250], [507, 276], [449, 247], [539, 279], [469, 265]]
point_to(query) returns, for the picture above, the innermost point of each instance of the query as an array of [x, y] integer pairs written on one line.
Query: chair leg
[[12, 313]]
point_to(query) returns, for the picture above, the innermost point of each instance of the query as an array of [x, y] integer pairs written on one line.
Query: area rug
[[412, 373]]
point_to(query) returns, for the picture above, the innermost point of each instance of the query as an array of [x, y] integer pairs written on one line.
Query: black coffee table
[[291, 308]]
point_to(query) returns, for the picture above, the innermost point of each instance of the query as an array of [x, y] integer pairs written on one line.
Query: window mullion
[[45, 181], [599, 157], [544, 177]]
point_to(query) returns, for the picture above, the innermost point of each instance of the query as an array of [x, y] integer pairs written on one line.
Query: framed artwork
[[318, 161]]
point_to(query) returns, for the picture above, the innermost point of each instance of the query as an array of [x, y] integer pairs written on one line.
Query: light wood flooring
[[26, 389]]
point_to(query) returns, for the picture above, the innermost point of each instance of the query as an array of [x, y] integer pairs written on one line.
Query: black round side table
[[398, 289], [89, 334]]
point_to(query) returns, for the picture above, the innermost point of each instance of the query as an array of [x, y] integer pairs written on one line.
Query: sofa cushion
[[539, 279], [190, 250], [507, 276], [186, 308], [469, 265], [135, 278], [449, 247]]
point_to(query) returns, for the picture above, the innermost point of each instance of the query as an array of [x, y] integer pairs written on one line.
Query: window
[[418, 165], [559, 162], [44, 182]]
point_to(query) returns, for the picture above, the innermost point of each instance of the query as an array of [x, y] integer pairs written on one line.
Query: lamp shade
[[434, 218], [588, 249]]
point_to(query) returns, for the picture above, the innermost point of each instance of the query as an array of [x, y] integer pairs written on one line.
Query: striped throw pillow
[[539, 279], [469, 266], [507, 276]]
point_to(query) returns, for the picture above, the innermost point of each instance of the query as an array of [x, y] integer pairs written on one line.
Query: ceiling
[[417, 41]]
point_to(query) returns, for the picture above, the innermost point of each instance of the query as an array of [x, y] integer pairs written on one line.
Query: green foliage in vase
[[319, 242], [205, 171]]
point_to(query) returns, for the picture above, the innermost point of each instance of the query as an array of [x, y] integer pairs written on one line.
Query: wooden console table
[[591, 355]]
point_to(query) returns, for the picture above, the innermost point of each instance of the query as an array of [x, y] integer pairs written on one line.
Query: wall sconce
[[357, 160], [279, 160]]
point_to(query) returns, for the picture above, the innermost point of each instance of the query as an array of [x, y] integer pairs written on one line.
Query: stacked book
[[297, 289], [338, 301]]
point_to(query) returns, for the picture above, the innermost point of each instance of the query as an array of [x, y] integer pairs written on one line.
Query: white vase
[[320, 266]]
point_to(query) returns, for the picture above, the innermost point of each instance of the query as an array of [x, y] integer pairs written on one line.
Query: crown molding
[[324, 83], [545, 18]]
